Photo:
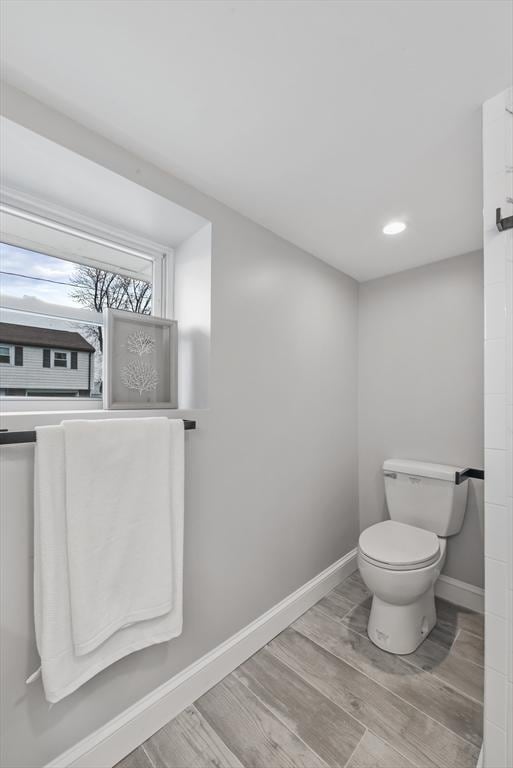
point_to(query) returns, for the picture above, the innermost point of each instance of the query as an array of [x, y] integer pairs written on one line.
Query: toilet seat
[[397, 546]]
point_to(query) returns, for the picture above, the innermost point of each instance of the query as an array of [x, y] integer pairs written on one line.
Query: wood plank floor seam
[[284, 748], [347, 712], [194, 708], [473, 699], [461, 656], [468, 632], [396, 749], [418, 765], [325, 726], [282, 721], [416, 667], [355, 749], [458, 632], [448, 684], [388, 757], [442, 725], [148, 755]]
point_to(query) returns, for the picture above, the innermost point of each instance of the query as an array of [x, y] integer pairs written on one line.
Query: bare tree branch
[[97, 289]]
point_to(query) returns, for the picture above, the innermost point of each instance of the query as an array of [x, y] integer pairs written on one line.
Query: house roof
[[33, 336]]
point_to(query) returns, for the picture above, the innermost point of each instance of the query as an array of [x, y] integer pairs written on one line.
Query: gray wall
[[271, 478], [192, 310], [421, 387]]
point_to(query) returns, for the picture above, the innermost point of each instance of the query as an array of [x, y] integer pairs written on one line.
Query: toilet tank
[[425, 495]]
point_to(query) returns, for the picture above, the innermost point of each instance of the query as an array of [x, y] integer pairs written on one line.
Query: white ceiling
[[320, 120]]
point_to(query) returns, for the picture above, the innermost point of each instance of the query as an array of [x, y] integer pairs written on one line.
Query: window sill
[[18, 404], [28, 420]]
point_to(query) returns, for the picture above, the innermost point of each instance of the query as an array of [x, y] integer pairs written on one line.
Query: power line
[[31, 277]]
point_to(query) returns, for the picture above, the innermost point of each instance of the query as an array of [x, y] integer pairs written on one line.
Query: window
[[18, 355], [5, 354], [55, 282], [60, 359]]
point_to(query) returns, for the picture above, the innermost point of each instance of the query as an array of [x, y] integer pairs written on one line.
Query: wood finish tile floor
[[321, 694]]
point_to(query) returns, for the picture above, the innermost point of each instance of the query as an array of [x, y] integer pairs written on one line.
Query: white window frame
[[10, 347], [61, 352], [56, 217]]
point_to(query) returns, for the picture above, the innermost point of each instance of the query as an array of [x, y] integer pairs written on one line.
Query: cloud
[[29, 264], [14, 259], [62, 271]]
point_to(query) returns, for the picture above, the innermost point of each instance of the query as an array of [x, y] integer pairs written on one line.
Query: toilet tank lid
[[422, 469]]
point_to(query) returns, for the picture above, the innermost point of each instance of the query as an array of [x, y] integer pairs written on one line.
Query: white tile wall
[[496, 581], [495, 473], [496, 692], [498, 276], [498, 532], [495, 424], [495, 365], [509, 647], [495, 310], [509, 734], [496, 640], [495, 749], [495, 263]]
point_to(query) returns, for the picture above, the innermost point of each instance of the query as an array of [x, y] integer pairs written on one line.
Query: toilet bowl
[[400, 564], [401, 559]]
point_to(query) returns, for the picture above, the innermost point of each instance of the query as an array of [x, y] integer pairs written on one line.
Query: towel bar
[[11, 438], [503, 223], [465, 474]]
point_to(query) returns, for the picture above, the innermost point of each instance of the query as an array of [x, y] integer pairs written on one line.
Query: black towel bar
[[465, 474], [11, 438]]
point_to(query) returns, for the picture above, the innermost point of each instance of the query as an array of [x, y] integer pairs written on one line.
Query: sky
[[45, 269], [35, 265]]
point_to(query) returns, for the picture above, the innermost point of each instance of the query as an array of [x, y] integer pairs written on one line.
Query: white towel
[[63, 670], [118, 499]]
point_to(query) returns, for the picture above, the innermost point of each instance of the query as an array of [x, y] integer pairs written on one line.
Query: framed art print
[[140, 361]]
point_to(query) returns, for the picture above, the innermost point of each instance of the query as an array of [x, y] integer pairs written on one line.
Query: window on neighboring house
[[5, 354], [18, 355], [60, 359], [55, 282]]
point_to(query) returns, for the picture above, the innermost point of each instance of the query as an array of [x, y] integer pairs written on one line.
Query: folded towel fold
[[107, 576]]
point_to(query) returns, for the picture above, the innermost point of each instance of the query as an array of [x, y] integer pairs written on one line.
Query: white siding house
[[43, 361]]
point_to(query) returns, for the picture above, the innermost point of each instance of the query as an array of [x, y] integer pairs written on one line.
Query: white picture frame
[[140, 360]]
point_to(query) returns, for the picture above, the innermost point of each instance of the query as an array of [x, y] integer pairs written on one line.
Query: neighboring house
[[44, 362]]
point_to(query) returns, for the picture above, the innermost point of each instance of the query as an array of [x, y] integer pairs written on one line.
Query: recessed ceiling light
[[394, 228]]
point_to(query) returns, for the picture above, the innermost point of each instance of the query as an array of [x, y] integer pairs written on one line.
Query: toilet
[[401, 559]]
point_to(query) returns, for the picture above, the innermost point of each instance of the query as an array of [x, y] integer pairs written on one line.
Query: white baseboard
[[461, 593], [118, 737]]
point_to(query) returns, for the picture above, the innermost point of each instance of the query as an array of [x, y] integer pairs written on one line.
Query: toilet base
[[401, 628]]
